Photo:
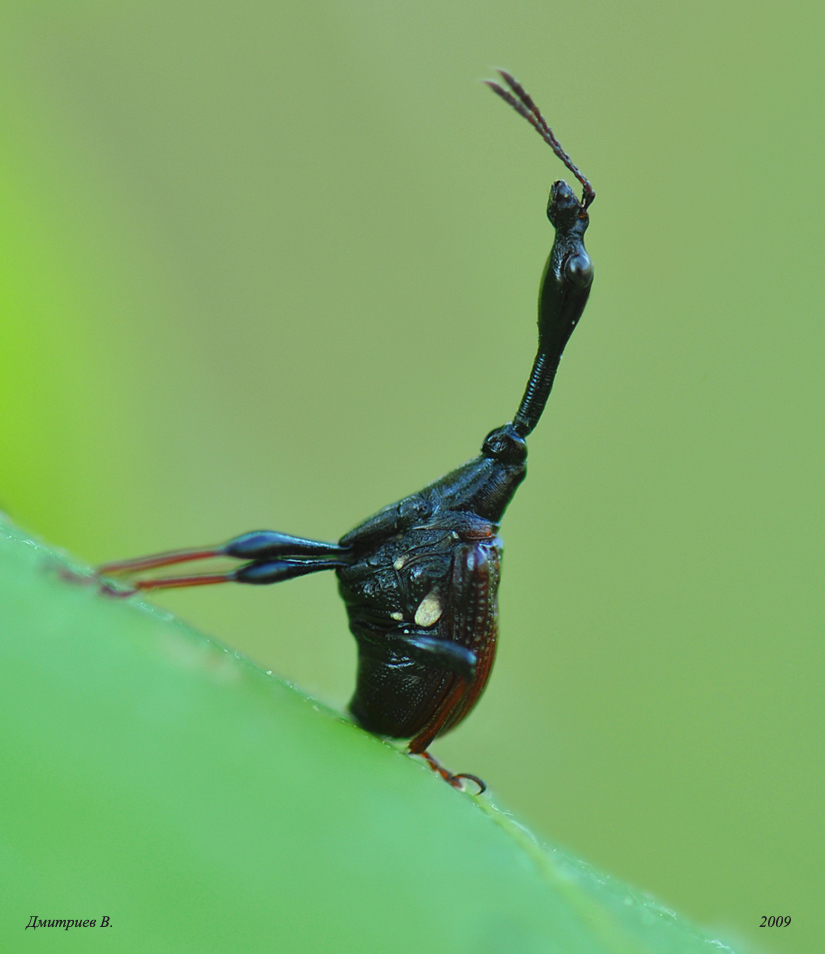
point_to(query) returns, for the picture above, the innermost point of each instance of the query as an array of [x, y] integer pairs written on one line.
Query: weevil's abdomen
[[443, 583], [421, 595]]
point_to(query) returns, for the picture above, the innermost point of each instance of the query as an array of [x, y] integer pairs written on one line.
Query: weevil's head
[[565, 210], [569, 263]]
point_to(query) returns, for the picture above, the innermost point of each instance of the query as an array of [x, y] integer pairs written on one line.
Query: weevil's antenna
[[523, 104]]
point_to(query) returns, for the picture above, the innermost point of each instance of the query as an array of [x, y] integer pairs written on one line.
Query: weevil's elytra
[[419, 579]]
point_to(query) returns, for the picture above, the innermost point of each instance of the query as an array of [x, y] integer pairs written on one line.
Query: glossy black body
[[420, 578], [435, 556], [427, 568]]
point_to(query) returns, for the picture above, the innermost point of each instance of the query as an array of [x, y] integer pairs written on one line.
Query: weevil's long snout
[[563, 294]]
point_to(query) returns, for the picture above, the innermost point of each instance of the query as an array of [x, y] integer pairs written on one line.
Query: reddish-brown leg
[[170, 558], [129, 568], [454, 780]]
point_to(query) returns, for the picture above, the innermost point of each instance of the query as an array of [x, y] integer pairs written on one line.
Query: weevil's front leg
[[269, 557]]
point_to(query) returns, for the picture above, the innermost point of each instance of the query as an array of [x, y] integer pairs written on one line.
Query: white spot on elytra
[[399, 563], [398, 616], [429, 610]]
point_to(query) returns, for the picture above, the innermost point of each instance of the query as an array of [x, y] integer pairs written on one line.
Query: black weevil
[[420, 577]]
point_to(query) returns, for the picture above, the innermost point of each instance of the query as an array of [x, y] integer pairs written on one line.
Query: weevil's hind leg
[[449, 704], [455, 780], [419, 745], [269, 557], [459, 660]]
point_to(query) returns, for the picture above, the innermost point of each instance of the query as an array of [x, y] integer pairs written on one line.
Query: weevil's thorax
[[405, 551], [404, 579], [420, 571], [485, 485]]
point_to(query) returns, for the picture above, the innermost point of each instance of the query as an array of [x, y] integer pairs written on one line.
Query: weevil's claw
[[118, 590], [482, 785], [456, 781], [106, 587]]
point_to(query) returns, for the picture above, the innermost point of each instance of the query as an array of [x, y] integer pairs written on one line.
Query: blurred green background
[[275, 265]]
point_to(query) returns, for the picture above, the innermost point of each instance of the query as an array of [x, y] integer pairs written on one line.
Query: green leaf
[[153, 776]]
